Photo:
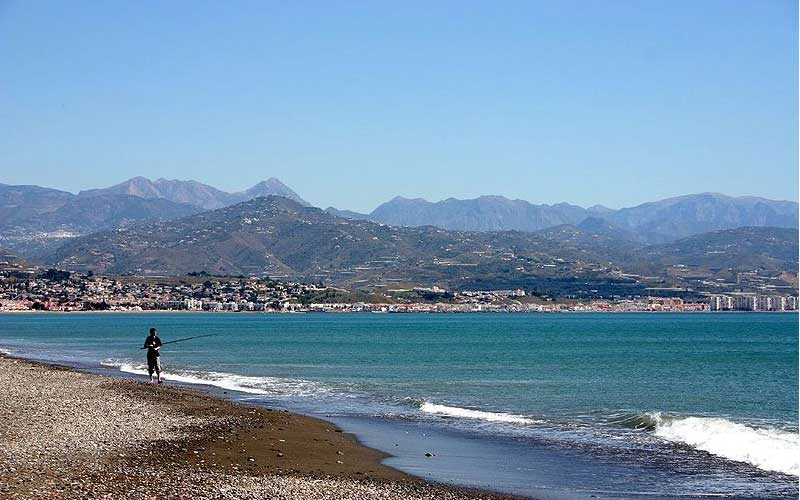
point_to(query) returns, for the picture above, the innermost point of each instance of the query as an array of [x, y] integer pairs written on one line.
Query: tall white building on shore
[[752, 302]]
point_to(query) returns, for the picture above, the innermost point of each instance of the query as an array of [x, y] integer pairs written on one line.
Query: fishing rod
[[187, 338]]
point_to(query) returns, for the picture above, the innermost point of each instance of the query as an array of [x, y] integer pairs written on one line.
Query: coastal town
[[56, 290]]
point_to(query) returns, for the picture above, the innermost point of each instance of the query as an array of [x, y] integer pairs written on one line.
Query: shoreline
[[269, 313], [283, 364], [74, 434]]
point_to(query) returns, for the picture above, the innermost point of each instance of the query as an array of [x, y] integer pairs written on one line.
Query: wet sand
[[68, 434]]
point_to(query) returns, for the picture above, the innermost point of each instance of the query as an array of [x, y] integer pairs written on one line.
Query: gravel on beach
[[68, 434]]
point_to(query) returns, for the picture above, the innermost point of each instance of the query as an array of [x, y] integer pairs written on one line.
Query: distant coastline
[[566, 311], [57, 290]]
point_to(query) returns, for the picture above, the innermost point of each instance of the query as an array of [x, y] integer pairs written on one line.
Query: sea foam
[[766, 448], [272, 386], [454, 411]]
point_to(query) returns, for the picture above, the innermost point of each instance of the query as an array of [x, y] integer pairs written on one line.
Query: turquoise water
[[711, 397]]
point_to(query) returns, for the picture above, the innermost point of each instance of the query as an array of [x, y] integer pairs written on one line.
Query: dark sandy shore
[[68, 434]]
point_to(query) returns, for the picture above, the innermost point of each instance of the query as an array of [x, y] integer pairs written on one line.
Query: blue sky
[[352, 103]]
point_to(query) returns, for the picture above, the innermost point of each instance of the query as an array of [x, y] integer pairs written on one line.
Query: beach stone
[[69, 435]]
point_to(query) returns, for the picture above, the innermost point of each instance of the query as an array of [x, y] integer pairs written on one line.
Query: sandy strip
[[67, 434]]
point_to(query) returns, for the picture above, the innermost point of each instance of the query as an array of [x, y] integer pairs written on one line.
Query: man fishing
[[153, 344]]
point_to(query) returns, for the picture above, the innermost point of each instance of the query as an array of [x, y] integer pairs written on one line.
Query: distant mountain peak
[[192, 192], [404, 199], [274, 186], [135, 186], [272, 181]]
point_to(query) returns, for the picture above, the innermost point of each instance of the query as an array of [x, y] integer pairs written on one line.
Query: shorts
[[153, 365]]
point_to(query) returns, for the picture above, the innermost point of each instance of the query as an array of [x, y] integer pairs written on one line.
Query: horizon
[[354, 104], [400, 196]]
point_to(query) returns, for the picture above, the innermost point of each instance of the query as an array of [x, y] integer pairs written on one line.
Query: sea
[[552, 406]]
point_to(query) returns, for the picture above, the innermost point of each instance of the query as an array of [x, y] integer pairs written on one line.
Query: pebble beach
[[69, 434]]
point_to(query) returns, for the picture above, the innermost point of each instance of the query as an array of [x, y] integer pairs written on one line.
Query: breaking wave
[[267, 386], [767, 448], [454, 411], [644, 421]]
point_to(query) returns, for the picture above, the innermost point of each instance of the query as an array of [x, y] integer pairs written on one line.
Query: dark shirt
[[150, 343]]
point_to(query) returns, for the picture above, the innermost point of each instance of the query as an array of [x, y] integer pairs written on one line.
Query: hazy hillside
[[38, 234], [656, 222], [21, 202], [97, 213], [742, 248], [487, 213], [592, 235], [675, 218]]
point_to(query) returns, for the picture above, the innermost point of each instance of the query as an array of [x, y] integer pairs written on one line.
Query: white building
[[193, 305], [745, 303], [764, 303], [720, 303]]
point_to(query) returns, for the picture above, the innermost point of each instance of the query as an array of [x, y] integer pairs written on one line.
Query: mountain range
[[656, 222], [661, 221], [275, 236], [176, 227], [193, 192]]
